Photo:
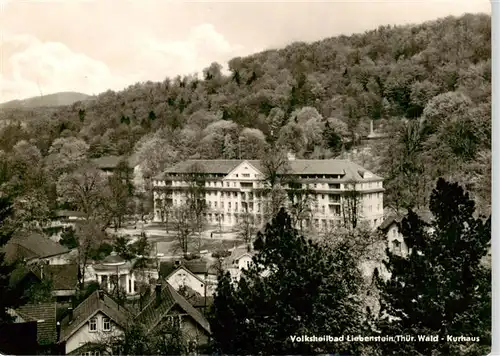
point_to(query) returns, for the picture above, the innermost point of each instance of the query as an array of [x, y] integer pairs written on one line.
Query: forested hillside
[[428, 86]]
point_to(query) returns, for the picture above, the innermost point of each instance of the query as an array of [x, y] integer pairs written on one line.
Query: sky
[[92, 46]]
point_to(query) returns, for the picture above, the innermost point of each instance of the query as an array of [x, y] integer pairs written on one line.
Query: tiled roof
[[64, 277], [152, 314], [45, 316], [98, 301], [38, 244], [111, 162], [348, 169], [195, 266]]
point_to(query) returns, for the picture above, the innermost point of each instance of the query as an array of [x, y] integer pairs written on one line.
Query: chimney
[[371, 127], [41, 271], [58, 330], [100, 293], [158, 294], [70, 314]]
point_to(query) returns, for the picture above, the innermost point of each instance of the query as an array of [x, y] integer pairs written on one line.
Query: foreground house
[[95, 320], [33, 247], [43, 317], [168, 308], [44, 314], [234, 188]]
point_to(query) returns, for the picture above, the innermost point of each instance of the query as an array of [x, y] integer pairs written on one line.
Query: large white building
[[234, 187]]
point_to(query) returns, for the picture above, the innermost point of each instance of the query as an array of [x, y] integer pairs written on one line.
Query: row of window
[[251, 195], [228, 218], [369, 185], [105, 325], [91, 353]]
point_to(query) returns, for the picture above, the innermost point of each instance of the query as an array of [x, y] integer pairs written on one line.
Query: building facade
[[234, 189]]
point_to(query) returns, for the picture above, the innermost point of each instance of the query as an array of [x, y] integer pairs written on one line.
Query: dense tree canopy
[[316, 99], [442, 288], [294, 287]]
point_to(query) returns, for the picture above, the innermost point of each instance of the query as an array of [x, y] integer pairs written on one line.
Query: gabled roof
[[19, 274], [152, 314], [238, 253], [98, 301], [38, 244], [45, 316], [396, 218], [186, 270], [345, 168]]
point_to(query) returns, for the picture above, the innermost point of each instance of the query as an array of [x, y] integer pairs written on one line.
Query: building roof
[[45, 316], [153, 313], [113, 259], [239, 252], [19, 274], [98, 301], [349, 170], [64, 277], [396, 218], [38, 244], [111, 162], [194, 266]]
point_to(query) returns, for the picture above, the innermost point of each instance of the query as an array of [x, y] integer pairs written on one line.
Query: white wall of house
[[182, 277], [396, 242], [84, 334], [236, 267]]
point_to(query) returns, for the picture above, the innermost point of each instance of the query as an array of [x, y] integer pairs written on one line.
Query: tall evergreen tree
[[441, 288], [294, 287], [7, 297]]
